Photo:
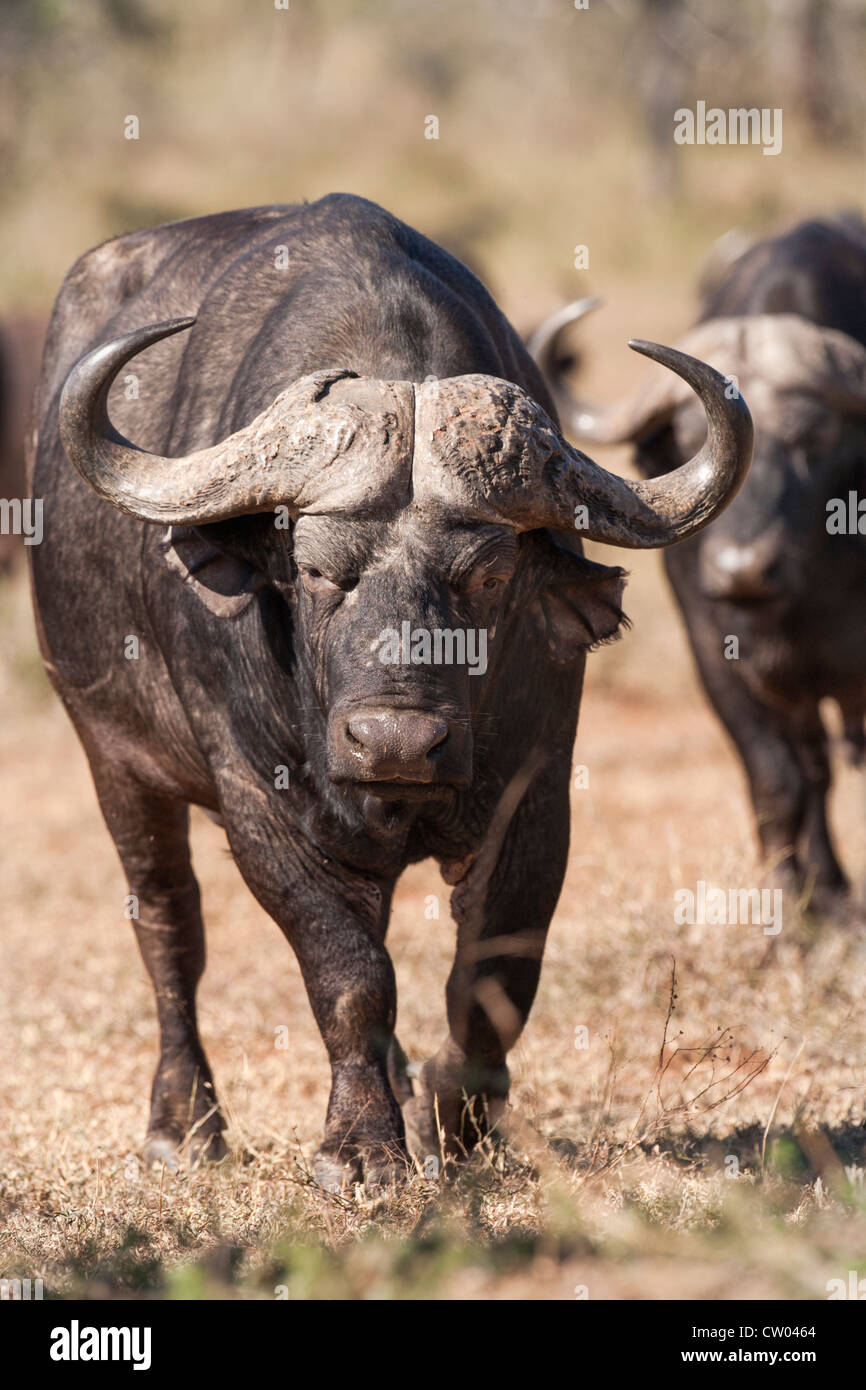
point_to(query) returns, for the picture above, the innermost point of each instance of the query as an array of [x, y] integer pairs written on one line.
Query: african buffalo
[[336, 433], [784, 571]]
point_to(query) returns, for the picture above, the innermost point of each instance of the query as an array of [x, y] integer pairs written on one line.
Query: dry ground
[[612, 1180]]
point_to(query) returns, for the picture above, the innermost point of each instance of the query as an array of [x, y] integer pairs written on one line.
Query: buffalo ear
[[579, 605], [225, 584]]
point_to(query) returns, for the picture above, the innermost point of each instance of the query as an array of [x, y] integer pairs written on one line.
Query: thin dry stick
[[595, 1138], [96, 1193], [794, 1061], [672, 995], [197, 1126], [440, 1131], [640, 1134]]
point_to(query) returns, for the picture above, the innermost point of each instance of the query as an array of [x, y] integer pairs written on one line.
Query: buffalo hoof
[[164, 1149], [810, 897], [378, 1170], [398, 1072], [455, 1106], [422, 1136], [832, 902], [469, 1124]]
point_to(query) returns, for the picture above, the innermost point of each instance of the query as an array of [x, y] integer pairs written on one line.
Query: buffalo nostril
[[740, 574], [395, 736], [374, 745], [743, 570]]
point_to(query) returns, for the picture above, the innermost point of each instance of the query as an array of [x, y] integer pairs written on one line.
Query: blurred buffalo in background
[[773, 593]]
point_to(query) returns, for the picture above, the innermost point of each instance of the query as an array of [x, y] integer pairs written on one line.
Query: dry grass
[[614, 1172]]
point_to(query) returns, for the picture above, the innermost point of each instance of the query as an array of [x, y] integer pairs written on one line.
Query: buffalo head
[[407, 526], [806, 386]]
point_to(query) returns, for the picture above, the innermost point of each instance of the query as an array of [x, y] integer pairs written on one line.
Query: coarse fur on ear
[[579, 603], [223, 583]]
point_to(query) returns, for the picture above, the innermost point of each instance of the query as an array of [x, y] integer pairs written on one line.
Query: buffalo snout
[[742, 573], [398, 746]]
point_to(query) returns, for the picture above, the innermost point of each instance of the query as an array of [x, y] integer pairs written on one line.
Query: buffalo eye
[[482, 581], [317, 583]]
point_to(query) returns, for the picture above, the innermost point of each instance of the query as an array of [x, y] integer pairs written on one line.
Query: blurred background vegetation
[[555, 127]]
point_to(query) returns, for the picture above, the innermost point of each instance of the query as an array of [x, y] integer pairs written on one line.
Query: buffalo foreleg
[[784, 753], [502, 906], [352, 989], [151, 835], [815, 853], [335, 920]]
